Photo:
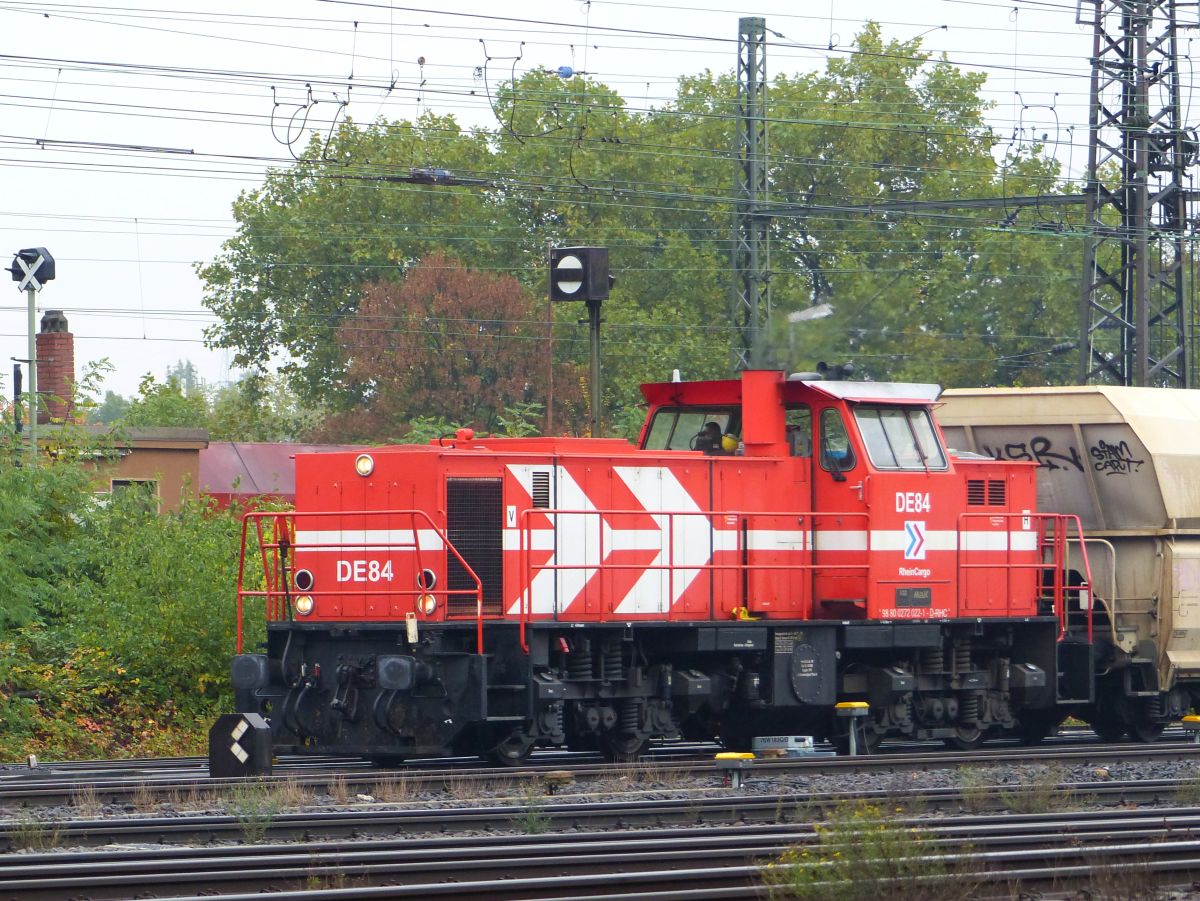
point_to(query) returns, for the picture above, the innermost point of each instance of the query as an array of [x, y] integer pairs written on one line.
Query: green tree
[[259, 407], [113, 407], [315, 233], [164, 404]]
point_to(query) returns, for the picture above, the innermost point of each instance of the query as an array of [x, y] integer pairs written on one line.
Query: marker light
[[426, 604], [364, 465], [305, 604]]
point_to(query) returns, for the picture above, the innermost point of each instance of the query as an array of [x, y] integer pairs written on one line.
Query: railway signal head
[[32, 267], [579, 273]]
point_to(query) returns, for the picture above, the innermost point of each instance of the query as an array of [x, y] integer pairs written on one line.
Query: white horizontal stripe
[[782, 539], [338, 540], [652, 539], [538, 540], [940, 540], [841, 541]]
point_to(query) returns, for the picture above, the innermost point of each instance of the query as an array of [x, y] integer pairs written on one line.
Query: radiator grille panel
[[541, 490], [976, 493], [474, 520], [987, 493], [997, 497]]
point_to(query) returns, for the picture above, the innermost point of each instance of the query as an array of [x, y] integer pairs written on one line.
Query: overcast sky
[[130, 127]]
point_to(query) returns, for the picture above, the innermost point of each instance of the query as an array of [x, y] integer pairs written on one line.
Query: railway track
[[1042, 852], [127, 780], [254, 819]]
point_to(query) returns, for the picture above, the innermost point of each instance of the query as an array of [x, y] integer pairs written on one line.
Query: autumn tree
[[461, 344]]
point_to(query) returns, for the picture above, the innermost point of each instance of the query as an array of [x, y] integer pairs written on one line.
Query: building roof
[[251, 469]]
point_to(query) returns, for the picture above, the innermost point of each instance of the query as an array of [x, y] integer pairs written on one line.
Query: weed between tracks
[[143, 800], [34, 832], [255, 807], [859, 854], [1188, 793], [974, 786], [1037, 791], [395, 790], [533, 820], [1126, 881], [339, 791], [86, 802]]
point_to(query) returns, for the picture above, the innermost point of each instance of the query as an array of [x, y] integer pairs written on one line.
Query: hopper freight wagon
[[1126, 462], [769, 548]]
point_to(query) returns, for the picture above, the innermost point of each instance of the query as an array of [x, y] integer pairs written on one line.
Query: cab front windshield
[[900, 438]]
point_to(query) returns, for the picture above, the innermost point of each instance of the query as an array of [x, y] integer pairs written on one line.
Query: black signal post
[[581, 273]]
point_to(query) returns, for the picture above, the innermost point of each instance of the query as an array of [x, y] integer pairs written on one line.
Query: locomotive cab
[[769, 547]]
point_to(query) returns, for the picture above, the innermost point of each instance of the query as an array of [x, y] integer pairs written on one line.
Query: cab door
[[841, 530]]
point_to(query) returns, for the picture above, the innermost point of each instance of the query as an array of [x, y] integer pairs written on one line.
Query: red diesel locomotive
[[771, 547]]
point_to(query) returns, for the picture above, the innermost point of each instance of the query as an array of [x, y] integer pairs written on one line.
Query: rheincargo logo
[[914, 571]]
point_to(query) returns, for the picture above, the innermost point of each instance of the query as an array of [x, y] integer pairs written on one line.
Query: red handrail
[[1051, 530], [278, 547]]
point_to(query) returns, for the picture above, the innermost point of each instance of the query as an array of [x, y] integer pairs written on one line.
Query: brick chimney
[[55, 367]]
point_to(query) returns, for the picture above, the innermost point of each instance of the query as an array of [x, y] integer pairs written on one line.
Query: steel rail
[[718, 806]]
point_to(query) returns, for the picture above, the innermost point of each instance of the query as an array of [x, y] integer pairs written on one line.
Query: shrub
[[859, 855], [118, 624]]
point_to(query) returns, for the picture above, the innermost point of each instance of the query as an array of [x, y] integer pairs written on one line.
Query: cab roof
[[729, 392]]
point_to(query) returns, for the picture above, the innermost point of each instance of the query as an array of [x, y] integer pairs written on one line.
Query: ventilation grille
[[474, 520], [996, 495], [541, 490], [986, 493]]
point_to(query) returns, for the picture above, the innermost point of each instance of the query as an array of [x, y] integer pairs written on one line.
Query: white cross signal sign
[[30, 277], [32, 268]]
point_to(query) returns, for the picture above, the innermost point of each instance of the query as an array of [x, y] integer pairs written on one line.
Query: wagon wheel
[[1108, 728], [736, 734], [513, 750], [965, 738], [624, 747], [1036, 725]]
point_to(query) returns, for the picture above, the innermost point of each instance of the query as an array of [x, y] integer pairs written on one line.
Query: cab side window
[[692, 428], [836, 451], [799, 431]]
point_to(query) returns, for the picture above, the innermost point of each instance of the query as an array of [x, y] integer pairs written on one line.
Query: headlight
[[303, 580], [426, 604], [305, 604], [364, 465]]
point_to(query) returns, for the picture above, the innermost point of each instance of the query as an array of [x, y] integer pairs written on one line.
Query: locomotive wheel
[[1145, 731], [513, 751], [625, 748], [965, 738], [386, 761]]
